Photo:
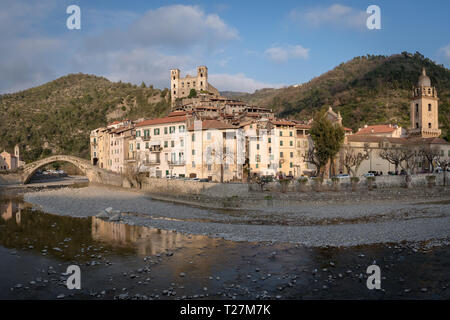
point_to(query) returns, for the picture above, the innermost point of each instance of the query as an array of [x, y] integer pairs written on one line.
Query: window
[[193, 164], [270, 140], [292, 154], [208, 135], [156, 132], [257, 166], [429, 125], [290, 166], [448, 153], [138, 133], [429, 107], [290, 133], [172, 143], [270, 149], [281, 154], [165, 130], [281, 133], [209, 167], [417, 108], [182, 142], [181, 128], [172, 129], [166, 144], [281, 143], [417, 125], [193, 152], [146, 145], [193, 137], [257, 146], [291, 143], [138, 146]]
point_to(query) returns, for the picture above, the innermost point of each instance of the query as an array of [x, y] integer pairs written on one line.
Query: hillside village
[[211, 137]]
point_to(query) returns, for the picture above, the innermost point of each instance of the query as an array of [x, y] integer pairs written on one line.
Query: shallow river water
[[134, 262]]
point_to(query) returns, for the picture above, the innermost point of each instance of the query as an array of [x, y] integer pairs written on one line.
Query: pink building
[[10, 161]]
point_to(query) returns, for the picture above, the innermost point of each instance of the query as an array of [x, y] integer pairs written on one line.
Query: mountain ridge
[[57, 117]]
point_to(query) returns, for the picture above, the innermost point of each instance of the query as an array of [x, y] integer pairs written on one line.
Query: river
[[120, 261]]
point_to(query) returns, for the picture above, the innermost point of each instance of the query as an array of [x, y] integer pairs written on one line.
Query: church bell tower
[[424, 109]]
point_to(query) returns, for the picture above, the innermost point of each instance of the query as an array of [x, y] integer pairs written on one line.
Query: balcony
[[145, 138], [152, 162], [177, 163], [155, 148]]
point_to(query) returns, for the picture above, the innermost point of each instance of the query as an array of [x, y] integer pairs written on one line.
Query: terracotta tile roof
[[213, 124], [283, 123], [372, 138], [161, 121], [347, 129], [302, 126], [379, 128]]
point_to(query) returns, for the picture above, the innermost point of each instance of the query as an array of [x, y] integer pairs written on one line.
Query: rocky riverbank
[[313, 223]]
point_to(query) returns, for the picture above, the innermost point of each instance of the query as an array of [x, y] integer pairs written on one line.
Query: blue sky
[[246, 45]]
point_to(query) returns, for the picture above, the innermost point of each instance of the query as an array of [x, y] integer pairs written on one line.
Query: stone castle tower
[[181, 87], [424, 109]]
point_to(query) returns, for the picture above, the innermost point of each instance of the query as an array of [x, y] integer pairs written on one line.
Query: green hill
[[368, 89], [58, 116]]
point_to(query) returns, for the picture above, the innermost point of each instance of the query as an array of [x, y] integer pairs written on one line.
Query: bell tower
[[424, 109], [174, 84]]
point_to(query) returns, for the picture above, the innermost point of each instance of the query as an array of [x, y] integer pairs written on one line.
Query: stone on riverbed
[[109, 209], [115, 217], [102, 214]]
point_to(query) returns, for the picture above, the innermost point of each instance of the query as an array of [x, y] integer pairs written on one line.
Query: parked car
[[195, 179], [343, 176], [204, 180], [369, 174]]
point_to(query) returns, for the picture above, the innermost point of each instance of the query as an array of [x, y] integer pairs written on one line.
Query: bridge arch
[[82, 164]]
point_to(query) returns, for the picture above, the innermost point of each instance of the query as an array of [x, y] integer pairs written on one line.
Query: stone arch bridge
[[93, 173]]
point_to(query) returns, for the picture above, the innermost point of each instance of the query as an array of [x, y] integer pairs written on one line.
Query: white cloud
[[180, 26], [336, 15], [133, 47], [281, 55], [238, 82], [445, 51]]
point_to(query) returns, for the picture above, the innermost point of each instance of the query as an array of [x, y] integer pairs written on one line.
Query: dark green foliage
[[366, 90], [327, 137], [192, 93], [57, 117]]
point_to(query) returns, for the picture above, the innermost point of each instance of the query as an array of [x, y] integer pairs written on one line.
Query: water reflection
[[147, 241], [69, 238], [10, 209]]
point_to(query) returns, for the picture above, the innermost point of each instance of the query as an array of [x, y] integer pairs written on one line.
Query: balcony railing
[[155, 148], [177, 163], [146, 138], [152, 162]]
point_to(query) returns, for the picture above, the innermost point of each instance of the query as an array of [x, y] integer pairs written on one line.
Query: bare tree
[[444, 164], [133, 173], [429, 153], [393, 155], [410, 157], [352, 160], [311, 156], [219, 152]]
